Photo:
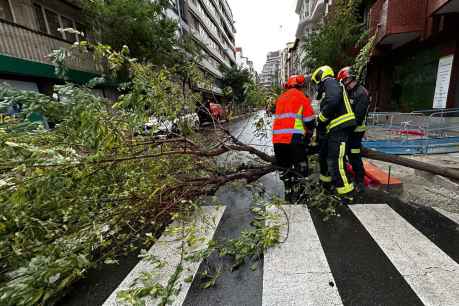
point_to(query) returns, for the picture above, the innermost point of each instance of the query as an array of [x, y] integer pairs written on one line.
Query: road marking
[[168, 250], [297, 272], [432, 274], [452, 216]]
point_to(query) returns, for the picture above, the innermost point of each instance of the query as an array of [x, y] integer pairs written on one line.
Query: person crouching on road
[[336, 120], [293, 126], [360, 101]]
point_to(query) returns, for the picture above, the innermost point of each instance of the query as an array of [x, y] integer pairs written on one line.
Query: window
[[5, 10], [39, 18], [49, 22], [53, 23], [67, 23]]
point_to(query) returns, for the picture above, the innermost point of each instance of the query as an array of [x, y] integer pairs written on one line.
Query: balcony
[[397, 22], [20, 42], [314, 18], [439, 7], [215, 20]]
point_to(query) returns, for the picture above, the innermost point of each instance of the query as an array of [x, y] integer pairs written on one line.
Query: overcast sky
[[263, 26]]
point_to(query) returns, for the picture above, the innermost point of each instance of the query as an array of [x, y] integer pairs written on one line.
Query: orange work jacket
[[293, 113]]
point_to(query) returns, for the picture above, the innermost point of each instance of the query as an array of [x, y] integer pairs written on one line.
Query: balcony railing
[[312, 20], [24, 43], [216, 20]]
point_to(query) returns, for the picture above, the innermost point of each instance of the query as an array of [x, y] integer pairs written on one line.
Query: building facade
[[311, 14], [29, 33], [211, 24], [271, 74], [415, 64], [243, 62]]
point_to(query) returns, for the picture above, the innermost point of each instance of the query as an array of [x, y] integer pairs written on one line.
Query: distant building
[[271, 76], [283, 68], [416, 61], [244, 63], [311, 13], [212, 26]]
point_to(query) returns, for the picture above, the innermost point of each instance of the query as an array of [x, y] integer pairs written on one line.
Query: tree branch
[[410, 163]]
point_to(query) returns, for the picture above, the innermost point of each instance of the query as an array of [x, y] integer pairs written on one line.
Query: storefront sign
[[443, 79]]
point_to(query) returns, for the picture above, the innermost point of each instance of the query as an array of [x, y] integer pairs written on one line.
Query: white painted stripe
[[432, 274], [297, 272], [450, 215], [168, 249]]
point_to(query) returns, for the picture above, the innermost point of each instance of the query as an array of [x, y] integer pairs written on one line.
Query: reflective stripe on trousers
[[347, 187]]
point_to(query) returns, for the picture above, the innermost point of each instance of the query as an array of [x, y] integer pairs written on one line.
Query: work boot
[[347, 199], [360, 188], [328, 187]]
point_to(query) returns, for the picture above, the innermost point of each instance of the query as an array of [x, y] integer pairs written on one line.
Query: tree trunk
[[418, 165]]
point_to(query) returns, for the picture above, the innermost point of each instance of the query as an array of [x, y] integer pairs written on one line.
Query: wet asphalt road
[[363, 274]]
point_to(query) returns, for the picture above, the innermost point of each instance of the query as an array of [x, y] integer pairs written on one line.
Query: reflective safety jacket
[[335, 108], [360, 101], [293, 120]]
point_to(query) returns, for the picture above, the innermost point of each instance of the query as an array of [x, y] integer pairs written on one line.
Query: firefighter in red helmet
[[360, 101], [293, 127]]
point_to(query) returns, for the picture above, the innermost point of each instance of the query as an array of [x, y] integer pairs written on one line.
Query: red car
[[217, 111]]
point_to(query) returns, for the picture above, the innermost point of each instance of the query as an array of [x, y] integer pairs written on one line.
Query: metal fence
[[419, 124], [419, 132]]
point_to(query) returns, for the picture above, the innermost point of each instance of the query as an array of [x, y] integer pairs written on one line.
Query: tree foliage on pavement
[[76, 196], [334, 42]]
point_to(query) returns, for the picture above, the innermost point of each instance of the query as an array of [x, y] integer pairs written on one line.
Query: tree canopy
[[139, 24], [237, 79], [335, 41]]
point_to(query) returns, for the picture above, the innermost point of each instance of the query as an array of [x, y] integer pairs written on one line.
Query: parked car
[[163, 127], [217, 111]]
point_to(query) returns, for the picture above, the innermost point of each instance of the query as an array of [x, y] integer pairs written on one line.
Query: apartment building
[[243, 62], [211, 24], [416, 61], [29, 33], [270, 76], [311, 14]]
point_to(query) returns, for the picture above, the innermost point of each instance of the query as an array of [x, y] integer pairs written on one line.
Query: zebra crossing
[[432, 274], [299, 271]]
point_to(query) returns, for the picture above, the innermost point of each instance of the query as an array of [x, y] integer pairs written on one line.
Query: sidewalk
[[424, 188]]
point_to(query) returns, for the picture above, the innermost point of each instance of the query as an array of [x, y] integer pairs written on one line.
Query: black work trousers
[[325, 177], [355, 155], [292, 157], [334, 151]]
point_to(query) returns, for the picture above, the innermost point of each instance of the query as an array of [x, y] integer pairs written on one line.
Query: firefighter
[[293, 126], [360, 101], [336, 120]]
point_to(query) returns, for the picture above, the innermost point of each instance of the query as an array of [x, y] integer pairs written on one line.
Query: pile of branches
[[84, 192]]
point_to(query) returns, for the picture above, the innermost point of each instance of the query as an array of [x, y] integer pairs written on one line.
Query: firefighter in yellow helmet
[[335, 123]]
